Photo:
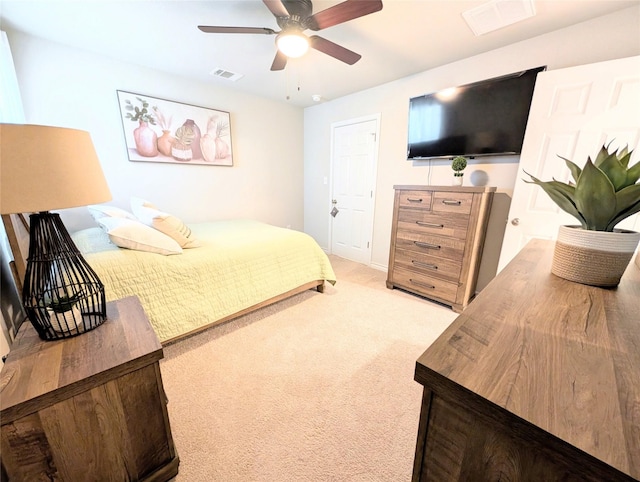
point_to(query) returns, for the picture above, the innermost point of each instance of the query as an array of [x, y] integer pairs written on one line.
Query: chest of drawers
[[437, 237]]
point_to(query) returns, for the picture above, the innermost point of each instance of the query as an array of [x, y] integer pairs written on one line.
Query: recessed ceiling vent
[[498, 14], [226, 74]]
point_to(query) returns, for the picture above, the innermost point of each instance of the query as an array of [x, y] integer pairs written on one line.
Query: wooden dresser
[[538, 380], [91, 407], [437, 238]]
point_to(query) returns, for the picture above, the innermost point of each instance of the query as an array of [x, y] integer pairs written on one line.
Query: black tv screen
[[480, 119]]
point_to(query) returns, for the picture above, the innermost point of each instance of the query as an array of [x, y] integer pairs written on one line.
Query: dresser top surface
[[560, 355], [35, 368], [422, 187]]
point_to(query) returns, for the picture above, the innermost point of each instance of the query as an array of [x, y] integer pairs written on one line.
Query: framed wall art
[[158, 130]]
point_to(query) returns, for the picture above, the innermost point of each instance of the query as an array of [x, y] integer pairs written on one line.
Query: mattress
[[241, 263]]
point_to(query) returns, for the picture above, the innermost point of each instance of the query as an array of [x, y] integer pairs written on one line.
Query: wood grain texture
[[547, 361], [452, 202], [447, 269], [444, 246], [441, 224], [90, 407], [16, 229], [414, 198], [438, 223], [478, 449], [424, 284], [38, 373]]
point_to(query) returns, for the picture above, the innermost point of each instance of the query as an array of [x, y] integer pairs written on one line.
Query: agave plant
[[604, 193]]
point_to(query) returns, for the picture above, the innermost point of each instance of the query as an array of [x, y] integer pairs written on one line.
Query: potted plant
[[186, 136], [64, 314], [458, 164], [145, 137], [604, 192], [165, 141]]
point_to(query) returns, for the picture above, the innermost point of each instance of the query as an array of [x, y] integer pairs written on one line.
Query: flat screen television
[[486, 118]]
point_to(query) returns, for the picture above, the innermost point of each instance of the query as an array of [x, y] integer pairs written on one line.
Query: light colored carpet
[[315, 388]]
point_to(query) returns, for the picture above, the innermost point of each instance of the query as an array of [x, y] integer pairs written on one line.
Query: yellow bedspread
[[241, 263]]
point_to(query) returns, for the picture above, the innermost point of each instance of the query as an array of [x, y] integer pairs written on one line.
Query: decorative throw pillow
[[99, 211], [167, 224], [129, 234], [93, 240]]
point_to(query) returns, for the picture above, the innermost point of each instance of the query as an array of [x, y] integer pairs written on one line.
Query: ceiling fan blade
[[277, 8], [334, 50], [343, 12], [212, 29], [279, 62]]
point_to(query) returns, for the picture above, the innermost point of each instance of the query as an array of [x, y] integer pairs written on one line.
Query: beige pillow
[[167, 224], [129, 234], [99, 211]]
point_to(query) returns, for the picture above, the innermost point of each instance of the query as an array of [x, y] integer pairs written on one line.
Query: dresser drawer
[[428, 286], [452, 202], [441, 224], [431, 265], [449, 248], [416, 199]]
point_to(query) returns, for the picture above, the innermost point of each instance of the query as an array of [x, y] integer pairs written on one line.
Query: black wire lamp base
[[62, 294]]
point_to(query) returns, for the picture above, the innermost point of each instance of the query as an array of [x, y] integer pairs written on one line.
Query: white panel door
[[573, 113], [354, 153]]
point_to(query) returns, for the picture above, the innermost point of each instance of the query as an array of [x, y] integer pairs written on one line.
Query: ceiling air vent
[[226, 74], [497, 14]]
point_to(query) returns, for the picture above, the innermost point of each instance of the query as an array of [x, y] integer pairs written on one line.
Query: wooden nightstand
[[91, 407]]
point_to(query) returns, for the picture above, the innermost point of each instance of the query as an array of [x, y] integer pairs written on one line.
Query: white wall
[[606, 38], [67, 87]]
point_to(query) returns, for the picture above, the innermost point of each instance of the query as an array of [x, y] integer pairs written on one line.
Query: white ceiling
[[405, 37]]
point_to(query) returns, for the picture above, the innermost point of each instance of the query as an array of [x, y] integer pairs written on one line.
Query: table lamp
[[45, 168]]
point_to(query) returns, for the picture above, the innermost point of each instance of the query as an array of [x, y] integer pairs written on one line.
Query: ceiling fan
[[296, 16]]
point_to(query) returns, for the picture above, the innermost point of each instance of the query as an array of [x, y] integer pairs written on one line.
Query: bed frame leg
[[320, 287]]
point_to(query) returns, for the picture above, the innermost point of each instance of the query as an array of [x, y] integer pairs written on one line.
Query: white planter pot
[[595, 258], [457, 181], [67, 321]]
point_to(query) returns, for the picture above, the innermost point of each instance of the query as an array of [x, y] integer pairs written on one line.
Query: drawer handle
[[420, 264], [430, 225], [414, 199], [420, 244], [451, 202], [420, 283]]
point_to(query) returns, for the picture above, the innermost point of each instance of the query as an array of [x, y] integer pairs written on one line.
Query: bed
[[240, 266]]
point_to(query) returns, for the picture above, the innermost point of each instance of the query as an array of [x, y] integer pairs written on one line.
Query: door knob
[[333, 201], [515, 221]]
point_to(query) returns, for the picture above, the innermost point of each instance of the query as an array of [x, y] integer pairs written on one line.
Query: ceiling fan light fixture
[[292, 43]]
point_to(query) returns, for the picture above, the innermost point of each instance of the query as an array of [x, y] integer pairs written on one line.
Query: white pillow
[[167, 224], [129, 234], [99, 211]]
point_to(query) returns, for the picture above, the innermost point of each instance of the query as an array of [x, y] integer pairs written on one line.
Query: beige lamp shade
[[45, 168]]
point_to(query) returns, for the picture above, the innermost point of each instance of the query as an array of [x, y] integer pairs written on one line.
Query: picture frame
[[160, 130]]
